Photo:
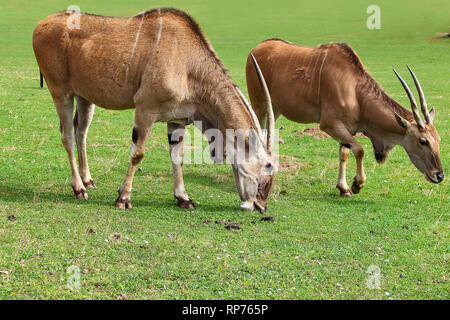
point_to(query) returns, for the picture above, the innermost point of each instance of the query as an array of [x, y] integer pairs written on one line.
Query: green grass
[[317, 241]]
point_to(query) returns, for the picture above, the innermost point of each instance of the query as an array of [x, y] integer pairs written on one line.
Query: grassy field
[[319, 246]]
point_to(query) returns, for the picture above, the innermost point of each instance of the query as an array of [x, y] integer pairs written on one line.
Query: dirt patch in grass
[[315, 132], [95, 144], [441, 36], [291, 166], [286, 163], [8, 148]]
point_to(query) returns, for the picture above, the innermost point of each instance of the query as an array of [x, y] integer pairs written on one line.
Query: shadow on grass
[[20, 193], [39, 88]]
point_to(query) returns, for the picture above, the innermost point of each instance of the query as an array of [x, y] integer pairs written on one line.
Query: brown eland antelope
[[329, 85], [160, 63]]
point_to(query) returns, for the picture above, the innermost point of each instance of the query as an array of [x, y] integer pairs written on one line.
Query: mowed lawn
[[318, 247]]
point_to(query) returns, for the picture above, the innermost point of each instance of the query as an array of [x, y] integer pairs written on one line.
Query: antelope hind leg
[[64, 108], [81, 122]]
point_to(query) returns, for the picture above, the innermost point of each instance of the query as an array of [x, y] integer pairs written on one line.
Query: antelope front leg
[[142, 126], [175, 133], [342, 181], [345, 138], [64, 107], [81, 122]]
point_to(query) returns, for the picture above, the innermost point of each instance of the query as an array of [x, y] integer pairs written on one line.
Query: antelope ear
[[432, 114], [402, 122]]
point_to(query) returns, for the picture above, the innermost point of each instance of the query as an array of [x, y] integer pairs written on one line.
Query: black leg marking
[[172, 142], [134, 136]]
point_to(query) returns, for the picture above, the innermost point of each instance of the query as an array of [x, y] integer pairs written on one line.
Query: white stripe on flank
[[135, 44], [320, 75], [160, 27]]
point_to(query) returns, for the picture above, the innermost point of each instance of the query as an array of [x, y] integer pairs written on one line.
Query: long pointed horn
[[412, 100], [270, 116], [250, 110], [423, 101]]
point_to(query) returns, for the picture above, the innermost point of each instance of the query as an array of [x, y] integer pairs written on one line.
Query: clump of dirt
[[91, 231], [268, 219], [116, 236], [314, 132], [12, 218], [233, 226]]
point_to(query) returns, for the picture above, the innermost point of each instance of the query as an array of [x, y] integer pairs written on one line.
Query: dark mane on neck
[[367, 82], [196, 30]]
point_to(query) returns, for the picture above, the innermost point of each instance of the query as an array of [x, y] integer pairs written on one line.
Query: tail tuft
[[42, 79]]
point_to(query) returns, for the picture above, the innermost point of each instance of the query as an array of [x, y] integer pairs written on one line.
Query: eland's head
[[421, 140], [254, 164]]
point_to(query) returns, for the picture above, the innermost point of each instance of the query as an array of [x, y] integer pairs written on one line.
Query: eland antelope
[[159, 63], [329, 85]]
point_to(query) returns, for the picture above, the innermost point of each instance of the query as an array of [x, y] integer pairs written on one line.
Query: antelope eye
[[424, 141]]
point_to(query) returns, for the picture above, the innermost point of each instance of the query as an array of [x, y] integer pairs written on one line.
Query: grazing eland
[[159, 63], [329, 85]]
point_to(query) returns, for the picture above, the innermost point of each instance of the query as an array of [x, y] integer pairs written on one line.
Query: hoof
[[123, 203], [356, 188], [90, 184], [345, 192], [186, 204], [80, 194]]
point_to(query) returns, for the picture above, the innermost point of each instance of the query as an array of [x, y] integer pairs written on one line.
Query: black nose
[[440, 176]]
